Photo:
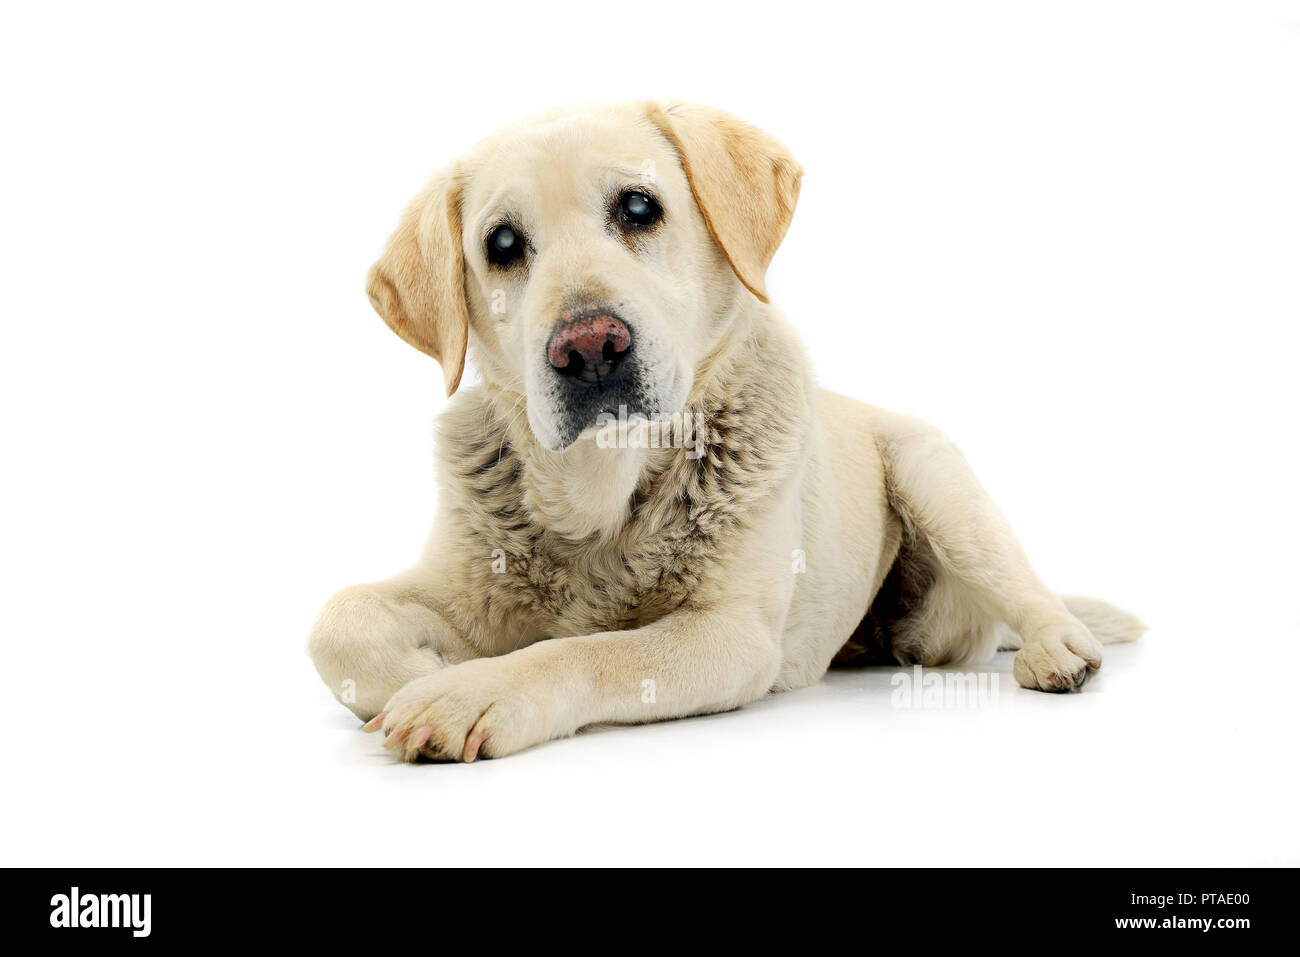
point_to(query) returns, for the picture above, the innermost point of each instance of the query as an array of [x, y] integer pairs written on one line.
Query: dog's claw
[[472, 745], [375, 723]]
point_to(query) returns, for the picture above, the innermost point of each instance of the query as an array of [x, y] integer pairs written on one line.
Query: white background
[[1068, 235]]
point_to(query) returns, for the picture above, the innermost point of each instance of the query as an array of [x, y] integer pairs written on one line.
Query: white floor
[[1167, 757]]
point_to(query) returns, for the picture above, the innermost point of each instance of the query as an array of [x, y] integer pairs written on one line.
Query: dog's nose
[[589, 349]]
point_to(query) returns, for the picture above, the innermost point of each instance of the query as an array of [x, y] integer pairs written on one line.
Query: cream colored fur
[[566, 587]]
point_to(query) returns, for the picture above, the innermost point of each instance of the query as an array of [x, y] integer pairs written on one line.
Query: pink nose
[[589, 349]]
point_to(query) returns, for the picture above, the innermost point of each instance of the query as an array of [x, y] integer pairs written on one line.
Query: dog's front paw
[[1058, 657], [479, 708]]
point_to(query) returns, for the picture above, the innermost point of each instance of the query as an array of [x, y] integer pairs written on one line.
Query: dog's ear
[[745, 183], [418, 284]]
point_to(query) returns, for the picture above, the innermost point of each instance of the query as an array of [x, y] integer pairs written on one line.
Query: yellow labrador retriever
[[647, 508]]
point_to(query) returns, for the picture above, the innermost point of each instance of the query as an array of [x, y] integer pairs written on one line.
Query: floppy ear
[[745, 183], [418, 285]]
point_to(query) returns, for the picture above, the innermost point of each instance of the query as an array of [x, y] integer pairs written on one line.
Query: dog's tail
[[1107, 623]]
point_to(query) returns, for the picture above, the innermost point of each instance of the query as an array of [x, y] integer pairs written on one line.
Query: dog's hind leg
[[949, 626], [1107, 623], [983, 583]]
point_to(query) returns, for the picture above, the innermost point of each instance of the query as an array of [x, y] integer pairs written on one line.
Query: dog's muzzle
[[593, 369]]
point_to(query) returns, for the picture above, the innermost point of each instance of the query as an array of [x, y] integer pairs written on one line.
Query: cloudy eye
[[638, 209], [504, 246]]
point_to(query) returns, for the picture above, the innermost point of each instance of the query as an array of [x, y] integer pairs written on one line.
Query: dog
[[647, 509]]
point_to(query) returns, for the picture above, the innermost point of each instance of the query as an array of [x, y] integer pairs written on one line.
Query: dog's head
[[594, 257]]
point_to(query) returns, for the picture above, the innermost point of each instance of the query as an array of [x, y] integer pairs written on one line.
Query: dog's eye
[[638, 209], [504, 246]]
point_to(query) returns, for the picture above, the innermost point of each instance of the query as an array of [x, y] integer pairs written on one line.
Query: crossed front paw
[[479, 708]]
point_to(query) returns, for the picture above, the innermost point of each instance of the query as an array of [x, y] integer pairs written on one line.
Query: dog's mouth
[[589, 400]]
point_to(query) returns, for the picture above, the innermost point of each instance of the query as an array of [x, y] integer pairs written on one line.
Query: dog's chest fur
[[683, 512]]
